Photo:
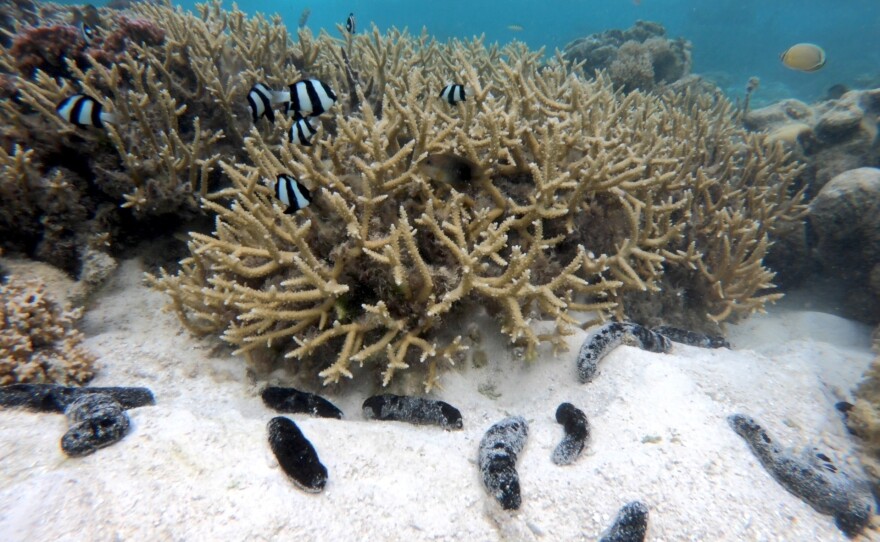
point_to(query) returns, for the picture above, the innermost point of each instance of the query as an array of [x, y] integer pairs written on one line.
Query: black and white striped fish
[[454, 93], [260, 100], [302, 131], [87, 32], [292, 194], [310, 97], [82, 110], [351, 24]]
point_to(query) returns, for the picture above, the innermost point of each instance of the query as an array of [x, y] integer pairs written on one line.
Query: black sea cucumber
[[577, 430], [631, 524], [815, 479], [609, 337], [498, 452], [294, 401], [97, 420], [296, 455], [54, 398], [692, 338], [417, 410]]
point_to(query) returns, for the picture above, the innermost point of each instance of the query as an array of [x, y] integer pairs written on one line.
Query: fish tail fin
[[108, 118], [279, 97]]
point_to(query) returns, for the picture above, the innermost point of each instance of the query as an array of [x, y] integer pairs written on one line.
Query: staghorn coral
[[38, 340], [588, 196], [174, 81]]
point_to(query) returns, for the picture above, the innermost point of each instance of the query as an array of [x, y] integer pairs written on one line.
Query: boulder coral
[[641, 57], [585, 196], [845, 216]]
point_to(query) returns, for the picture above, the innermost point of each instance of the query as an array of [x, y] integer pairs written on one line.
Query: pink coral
[[141, 31], [47, 48]]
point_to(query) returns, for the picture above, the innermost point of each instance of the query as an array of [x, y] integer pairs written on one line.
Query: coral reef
[[171, 79], [831, 136], [640, 57], [38, 340], [845, 216], [587, 200]]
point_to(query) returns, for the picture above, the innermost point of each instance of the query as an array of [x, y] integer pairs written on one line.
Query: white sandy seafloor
[[197, 466]]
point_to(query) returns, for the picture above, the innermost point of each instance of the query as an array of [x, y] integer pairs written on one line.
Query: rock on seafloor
[[499, 449], [416, 410], [97, 420], [55, 398], [296, 455], [814, 479], [609, 337], [630, 525], [692, 338], [577, 431], [294, 401]]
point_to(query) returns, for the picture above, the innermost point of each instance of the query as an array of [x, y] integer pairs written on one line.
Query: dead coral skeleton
[[587, 194]]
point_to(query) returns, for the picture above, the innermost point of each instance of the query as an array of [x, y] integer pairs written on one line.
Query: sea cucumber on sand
[[54, 398], [97, 420], [691, 338], [815, 479], [294, 401], [612, 335], [296, 455], [577, 430], [417, 410], [631, 524], [499, 449]]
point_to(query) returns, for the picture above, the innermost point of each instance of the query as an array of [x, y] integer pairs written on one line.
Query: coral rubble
[[38, 339]]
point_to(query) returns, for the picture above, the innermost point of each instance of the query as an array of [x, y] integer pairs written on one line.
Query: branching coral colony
[[587, 195]]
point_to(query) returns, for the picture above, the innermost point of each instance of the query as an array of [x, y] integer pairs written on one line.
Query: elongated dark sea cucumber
[[612, 335], [294, 401], [631, 524], [54, 398], [577, 431], [815, 480], [499, 449], [97, 420], [692, 338], [416, 410], [296, 455]]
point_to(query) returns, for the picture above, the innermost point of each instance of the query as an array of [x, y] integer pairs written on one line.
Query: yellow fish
[[804, 57], [515, 28]]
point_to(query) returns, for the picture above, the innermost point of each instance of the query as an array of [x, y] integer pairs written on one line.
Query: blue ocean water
[[732, 39]]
